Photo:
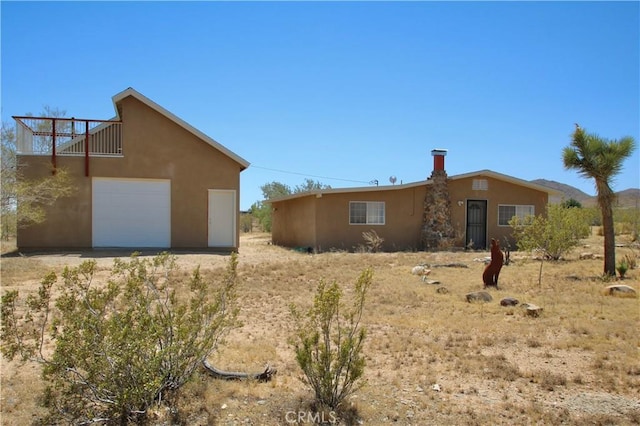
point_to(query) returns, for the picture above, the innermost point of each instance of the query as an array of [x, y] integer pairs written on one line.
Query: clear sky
[[345, 92]]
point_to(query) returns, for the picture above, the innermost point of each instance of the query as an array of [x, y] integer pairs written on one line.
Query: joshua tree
[[600, 159]]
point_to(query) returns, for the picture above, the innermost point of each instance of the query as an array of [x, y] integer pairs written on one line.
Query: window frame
[[519, 212], [479, 184], [369, 214]]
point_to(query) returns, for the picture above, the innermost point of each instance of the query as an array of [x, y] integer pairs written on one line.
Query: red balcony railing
[[68, 137]]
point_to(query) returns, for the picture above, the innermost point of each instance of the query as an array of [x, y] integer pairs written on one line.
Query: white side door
[[222, 218]]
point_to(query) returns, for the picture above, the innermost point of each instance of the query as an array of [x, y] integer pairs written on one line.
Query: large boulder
[[478, 296], [620, 290]]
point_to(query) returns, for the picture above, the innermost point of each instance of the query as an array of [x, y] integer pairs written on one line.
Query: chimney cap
[[439, 151]]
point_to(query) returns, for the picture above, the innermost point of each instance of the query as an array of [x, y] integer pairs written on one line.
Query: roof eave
[[320, 192]]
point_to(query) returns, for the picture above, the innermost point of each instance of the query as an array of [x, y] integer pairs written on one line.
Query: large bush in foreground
[[121, 346], [328, 342]]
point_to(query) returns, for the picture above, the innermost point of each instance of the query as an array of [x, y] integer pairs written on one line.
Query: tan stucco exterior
[[155, 145], [320, 220]]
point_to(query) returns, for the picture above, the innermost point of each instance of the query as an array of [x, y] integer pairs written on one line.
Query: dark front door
[[476, 224]]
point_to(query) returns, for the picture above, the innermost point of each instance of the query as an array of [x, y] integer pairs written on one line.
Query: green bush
[[328, 342], [121, 347], [554, 234]]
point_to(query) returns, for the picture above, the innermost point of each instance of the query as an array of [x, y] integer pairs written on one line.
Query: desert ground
[[432, 357]]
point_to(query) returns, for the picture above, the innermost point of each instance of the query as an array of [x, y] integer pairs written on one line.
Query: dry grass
[[575, 364]]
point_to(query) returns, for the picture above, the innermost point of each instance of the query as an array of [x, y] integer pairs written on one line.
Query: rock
[[509, 301], [532, 310], [436, 387], [442, 290], [478, 296], [620, 290], [428, 281], [420, 270]]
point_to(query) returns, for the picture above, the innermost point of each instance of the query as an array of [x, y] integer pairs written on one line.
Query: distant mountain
[[627, 198], [568, 190]]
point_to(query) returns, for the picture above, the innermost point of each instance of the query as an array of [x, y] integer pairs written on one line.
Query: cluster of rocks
[[530, 309]]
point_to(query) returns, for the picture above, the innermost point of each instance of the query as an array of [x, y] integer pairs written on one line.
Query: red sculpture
[[491, 272]]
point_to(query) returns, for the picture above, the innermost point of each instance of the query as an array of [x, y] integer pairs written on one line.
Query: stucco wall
[[294, 223], [498, 192], [403, 211], [154, 147]]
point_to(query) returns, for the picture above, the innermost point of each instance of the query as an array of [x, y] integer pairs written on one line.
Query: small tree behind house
[[24, 201]]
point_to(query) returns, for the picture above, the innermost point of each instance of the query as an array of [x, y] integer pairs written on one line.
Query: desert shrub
[[627, 220], [631, 260], [554, 234], [373, 241], [120, 347], [571, 202], [246, 222], [328, 342], [622, 268]]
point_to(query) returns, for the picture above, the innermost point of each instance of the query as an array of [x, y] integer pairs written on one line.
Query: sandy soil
[[430, 359]]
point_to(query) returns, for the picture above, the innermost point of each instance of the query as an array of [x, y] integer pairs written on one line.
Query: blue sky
[[345, 92]]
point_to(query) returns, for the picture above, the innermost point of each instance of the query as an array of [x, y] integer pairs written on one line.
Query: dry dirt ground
[[432, 358]]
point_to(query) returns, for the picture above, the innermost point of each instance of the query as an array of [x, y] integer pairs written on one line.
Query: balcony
[[68, 137]]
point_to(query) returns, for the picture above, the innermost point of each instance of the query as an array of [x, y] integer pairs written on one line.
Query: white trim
[[368, 203], [531, 206]]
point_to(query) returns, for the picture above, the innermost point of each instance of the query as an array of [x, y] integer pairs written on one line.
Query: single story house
[[144, 179], [466, 210]]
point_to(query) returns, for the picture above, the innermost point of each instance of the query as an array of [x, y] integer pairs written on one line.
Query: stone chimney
[[437, 232]]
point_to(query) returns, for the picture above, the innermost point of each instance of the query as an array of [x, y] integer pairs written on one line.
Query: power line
[[308, 175]]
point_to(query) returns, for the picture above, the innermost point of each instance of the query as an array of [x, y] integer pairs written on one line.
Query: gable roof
[[507, 178], [148, 102], [489, 173]]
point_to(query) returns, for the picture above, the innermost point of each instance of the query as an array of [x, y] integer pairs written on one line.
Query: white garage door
[[131, 213]]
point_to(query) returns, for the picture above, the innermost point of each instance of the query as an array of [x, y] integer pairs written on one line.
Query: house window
[[480, 185], [507, 212], [366, 213]]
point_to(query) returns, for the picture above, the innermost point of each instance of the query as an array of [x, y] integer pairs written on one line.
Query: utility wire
[[308, 175]]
